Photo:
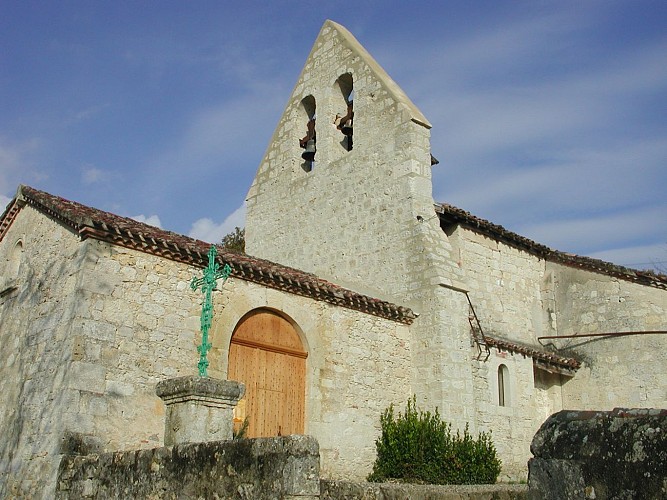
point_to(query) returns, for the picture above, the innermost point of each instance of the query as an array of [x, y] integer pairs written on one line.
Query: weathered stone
[[586, 454], [199, 409], [247, 468], [74, 443]]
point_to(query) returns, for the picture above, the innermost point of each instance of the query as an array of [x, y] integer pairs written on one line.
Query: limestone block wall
[[618, 371], [357, 366], [135, 323], [520, 297], [141, 325], [37, 308], [505, 286]]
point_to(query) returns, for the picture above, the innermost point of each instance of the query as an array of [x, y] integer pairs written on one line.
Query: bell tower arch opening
[[309, 142], [344, 119]]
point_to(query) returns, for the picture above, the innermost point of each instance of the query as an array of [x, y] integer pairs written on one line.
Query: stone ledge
[[203, 388], [283, 467]]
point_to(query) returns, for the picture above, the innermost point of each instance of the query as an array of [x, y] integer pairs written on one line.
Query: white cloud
[[623, 175], [151, 220], [4, 201], [93, 175], [86, 113], [13, 162], [652, 257], [207, 230]]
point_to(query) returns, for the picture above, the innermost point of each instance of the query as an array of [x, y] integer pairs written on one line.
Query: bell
[[309, 153], [347, 128]]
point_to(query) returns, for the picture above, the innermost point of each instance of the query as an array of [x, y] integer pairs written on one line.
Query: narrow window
[[503, 385], [8, 281], [344, 120], [309, 141], [15, 260]]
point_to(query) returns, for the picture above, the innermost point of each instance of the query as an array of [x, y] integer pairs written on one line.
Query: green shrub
[[418, 447]]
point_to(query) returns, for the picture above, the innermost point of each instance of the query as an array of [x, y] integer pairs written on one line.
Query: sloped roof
[[544, 359], [90, 222], [450, 214]]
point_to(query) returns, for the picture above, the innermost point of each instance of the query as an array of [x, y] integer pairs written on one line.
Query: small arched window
[[309, 141], [15, 260], [503, 385], [344, 119], [12, 268]]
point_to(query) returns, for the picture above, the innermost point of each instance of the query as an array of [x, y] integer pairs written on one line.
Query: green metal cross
[[212, 273]]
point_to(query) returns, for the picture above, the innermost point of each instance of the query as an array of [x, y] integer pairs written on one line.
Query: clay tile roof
[[90, 222], [545, 359], [449, 214]]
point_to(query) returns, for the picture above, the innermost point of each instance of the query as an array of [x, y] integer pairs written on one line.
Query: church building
[[357, 291]]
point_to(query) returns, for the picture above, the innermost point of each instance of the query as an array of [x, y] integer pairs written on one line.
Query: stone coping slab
[[183, 388]]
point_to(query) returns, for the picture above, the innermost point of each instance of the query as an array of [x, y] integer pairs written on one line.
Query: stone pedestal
[[199, 409]]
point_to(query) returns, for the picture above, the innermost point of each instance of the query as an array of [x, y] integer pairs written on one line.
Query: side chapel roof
[[449, 214], [90, 222]]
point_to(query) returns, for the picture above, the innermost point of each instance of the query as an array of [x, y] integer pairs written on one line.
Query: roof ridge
[[496, 231]]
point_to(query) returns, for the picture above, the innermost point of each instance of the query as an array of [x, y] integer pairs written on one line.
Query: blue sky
[[549, 118]]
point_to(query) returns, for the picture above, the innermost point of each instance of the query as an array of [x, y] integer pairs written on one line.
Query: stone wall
[[344, 490], [505, 287], [285, 467], [519, 297], [88, 331], [623, 371], [37, 309], [135, 324], [618, 454], [357, 366], [91, 328]]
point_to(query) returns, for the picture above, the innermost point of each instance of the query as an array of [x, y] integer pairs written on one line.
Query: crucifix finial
[[212, 273]]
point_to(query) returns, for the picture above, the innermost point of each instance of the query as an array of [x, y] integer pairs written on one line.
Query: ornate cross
[[212, 273]]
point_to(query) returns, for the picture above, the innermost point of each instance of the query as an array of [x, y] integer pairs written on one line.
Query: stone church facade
[[358, 290]]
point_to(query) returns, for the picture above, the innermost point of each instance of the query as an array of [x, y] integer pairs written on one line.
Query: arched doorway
[[266, 354]]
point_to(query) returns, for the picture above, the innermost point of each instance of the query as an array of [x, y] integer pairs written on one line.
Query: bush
[[418, 447]]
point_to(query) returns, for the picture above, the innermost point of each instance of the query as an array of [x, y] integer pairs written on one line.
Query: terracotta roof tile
[[90, 222], [547, 358], [449, 214]]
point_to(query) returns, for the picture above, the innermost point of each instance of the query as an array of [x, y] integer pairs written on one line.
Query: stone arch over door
[[267, 355]]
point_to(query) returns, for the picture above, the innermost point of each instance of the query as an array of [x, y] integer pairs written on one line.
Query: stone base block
[[199, 409]]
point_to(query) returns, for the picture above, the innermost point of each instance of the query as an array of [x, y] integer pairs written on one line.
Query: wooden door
[[266, 354]]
